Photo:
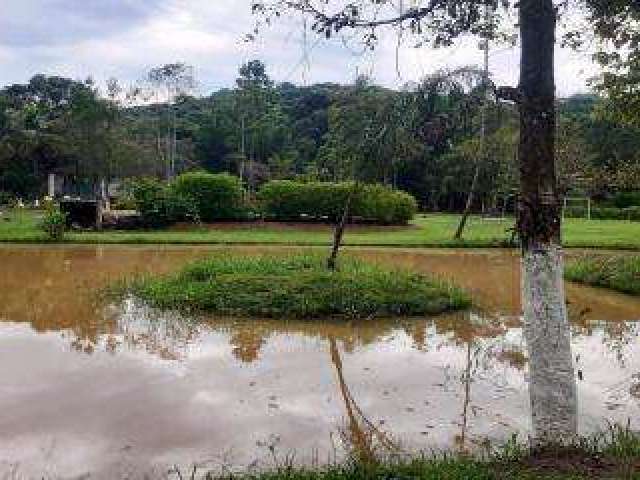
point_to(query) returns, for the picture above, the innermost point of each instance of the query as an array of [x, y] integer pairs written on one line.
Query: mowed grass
[[617, 272], [425, 231], [297, 287]]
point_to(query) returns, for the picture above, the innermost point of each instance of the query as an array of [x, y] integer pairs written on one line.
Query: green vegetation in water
[[298, 287], [619, 272], [614, 454]]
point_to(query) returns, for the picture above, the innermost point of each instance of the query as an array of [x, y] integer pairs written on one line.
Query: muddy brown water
[[120, 391]]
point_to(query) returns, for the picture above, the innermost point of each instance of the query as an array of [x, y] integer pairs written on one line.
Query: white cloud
[[209, 35]]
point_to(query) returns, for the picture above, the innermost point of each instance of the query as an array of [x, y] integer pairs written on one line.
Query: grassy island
[[298, 287], [618, 272]]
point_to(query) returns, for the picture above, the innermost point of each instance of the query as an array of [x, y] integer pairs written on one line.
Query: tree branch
[[349, 18]]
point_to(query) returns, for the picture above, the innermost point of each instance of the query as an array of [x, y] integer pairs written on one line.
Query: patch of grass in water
[[618, 272], [298, 287]]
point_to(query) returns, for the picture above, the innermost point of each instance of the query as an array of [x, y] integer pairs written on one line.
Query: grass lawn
[[426, 231]]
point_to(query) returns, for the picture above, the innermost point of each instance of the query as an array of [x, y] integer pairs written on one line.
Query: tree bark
[[552, 388], [339, 232], [469, 205]]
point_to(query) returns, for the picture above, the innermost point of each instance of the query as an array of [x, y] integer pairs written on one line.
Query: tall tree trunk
[[339, 231], [552, 387], [469, 205]]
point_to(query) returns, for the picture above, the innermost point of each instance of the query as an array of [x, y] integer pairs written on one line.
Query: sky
[[126, 38]]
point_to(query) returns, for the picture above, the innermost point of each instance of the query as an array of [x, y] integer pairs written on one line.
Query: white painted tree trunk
[[552, 384]]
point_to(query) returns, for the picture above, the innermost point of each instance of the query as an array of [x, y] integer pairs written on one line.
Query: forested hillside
[[424, 139]]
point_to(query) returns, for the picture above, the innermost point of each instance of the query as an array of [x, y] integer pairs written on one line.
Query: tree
[[617, 22], [552, 385], [170, 82], [262, 123], [464, 92]]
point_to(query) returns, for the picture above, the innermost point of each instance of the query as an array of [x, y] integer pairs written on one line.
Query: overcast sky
[[125, 38]]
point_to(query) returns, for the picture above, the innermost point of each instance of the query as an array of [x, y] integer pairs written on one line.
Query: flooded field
[[122, 391]]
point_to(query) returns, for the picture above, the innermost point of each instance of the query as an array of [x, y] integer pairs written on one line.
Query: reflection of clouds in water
[[618, 338], [455, 387], [174, 337]]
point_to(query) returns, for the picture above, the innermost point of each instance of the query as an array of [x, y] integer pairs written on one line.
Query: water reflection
[[361, 436], [124, 388]]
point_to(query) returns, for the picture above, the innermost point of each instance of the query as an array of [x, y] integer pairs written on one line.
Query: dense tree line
[[424, 138]]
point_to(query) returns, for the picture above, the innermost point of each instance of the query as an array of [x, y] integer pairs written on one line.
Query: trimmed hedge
[[216, 197], [626, 199], [159, 204], [605, 213], [287, 200]]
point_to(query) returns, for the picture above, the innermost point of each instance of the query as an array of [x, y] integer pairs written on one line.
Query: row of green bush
[[196, 196], [605, 213], [288, 200], [5, 198], [626, 199], [201, 196]]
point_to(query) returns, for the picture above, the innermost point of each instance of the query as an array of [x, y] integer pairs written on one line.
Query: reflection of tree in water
[[461, 440], [247, 344], [363, 437], [617, 337], [166, 335], [487, 342]]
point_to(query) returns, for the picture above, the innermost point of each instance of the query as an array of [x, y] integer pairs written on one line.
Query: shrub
[[5, 198], [216, 197], [387, 206], [605, 213], [626, 199], [160, 205], [632, 213], [608, 213], [290, 200], [125, 202], [54, 222]]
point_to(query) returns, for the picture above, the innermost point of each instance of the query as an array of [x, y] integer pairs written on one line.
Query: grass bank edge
[[427, 231], [613, 453], [614, 272]]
